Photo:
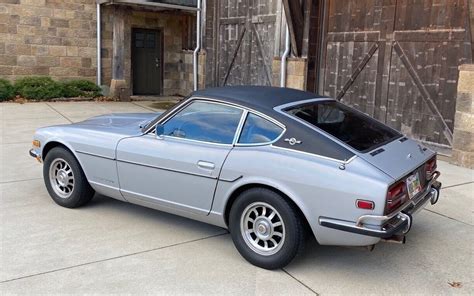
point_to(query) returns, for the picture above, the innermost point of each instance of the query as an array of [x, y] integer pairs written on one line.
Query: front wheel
[[266, 229], [63, 176]]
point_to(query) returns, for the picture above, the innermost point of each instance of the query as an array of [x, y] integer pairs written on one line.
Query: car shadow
[[356, 259], [423, 242], [131, 211]]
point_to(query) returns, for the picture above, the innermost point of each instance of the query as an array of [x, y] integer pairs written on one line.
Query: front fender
[[57, 141]]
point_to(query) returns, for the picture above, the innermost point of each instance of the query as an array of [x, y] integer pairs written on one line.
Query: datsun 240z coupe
[[270, 164]]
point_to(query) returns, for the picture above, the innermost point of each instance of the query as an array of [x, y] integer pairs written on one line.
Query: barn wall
[[398, 61], [241, 39]]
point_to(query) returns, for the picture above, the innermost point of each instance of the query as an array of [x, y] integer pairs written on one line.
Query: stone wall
[[463, 145], [48, 37], [471, 19], [295, 72], [186, 72], [58, 38]]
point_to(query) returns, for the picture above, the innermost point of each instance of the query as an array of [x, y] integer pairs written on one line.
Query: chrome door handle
[[206, 165]]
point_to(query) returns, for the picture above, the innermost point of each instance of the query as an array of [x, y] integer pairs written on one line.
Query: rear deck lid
[[398, 157]]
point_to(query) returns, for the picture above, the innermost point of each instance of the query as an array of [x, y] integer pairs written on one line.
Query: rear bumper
[[398, 222]]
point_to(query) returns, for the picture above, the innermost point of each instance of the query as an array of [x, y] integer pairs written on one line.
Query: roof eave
[[147, 4]]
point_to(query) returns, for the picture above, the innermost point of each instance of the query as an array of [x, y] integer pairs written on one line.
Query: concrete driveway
[[114, 247]]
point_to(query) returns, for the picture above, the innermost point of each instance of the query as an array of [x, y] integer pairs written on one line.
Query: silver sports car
[[272, 165]]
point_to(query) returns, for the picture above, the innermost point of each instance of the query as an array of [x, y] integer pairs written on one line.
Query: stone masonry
[[58, 38], [48, 37], [463, 145], [295, 73]]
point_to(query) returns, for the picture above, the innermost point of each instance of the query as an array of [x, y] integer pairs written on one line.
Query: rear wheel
[[64, 179], [266, 229]]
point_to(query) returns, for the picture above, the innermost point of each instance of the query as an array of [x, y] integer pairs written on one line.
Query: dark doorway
[[147, 62]]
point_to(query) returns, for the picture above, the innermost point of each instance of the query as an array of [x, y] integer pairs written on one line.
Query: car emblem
[[292, 141], [409, 156]]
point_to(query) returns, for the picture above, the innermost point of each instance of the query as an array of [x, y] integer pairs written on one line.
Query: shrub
[[80, 88], [38, 88], [6, 90]]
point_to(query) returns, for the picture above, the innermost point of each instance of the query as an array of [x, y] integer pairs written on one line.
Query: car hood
[[122, 121], [398, 157], [97, 135]]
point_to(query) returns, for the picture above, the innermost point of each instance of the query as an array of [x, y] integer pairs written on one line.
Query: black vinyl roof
[[261, 98], [264, 99]]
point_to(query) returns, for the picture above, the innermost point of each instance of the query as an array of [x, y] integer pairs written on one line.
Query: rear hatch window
[[354, 128]]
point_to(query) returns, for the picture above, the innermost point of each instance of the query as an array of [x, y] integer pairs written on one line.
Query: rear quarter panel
[[317, 186], [399, 157]]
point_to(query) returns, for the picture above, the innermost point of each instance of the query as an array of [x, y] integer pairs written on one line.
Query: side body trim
[[93, 154], [166, 169], [316, 155]]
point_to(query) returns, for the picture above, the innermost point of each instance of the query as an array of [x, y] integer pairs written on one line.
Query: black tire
[[294, 230], [80, 192]]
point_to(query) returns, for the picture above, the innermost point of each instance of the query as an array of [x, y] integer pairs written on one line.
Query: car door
[[179, 169]]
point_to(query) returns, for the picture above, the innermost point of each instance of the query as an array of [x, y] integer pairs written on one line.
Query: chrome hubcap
[[262, 228], [61, 178]]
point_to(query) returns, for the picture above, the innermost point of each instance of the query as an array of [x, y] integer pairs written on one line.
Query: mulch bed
[[20, 100]]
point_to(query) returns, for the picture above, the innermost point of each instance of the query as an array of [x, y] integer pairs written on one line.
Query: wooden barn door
[[397, 60], [246, 41]]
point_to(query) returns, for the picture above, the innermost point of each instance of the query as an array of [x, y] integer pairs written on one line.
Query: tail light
[[396, 196], [430, 168]]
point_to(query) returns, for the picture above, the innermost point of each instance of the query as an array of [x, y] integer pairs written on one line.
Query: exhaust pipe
[[396, 239]]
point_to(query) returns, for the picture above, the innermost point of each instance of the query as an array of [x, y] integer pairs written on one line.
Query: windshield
[[356, 129], [159, 116]]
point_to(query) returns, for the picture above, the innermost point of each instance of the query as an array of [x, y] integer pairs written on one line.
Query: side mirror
[[159, 131]]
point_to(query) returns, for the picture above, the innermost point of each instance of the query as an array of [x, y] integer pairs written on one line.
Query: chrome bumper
[[398, 222], [35, 155]]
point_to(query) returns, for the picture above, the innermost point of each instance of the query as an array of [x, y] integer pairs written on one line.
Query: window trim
[[245, 110], [237, 144]]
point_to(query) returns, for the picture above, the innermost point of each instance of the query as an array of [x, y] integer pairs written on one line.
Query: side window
[[205, 121], [258, 130]]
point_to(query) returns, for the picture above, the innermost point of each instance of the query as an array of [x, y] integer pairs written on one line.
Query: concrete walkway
[[114, 247]]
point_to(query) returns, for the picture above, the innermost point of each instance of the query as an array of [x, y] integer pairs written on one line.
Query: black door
[[147, 61]]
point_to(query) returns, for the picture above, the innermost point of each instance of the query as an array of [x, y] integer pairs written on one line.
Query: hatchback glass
[[348, 125]]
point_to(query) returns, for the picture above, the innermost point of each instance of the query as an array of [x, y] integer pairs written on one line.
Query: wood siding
[[244, 41], [398, 61]]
